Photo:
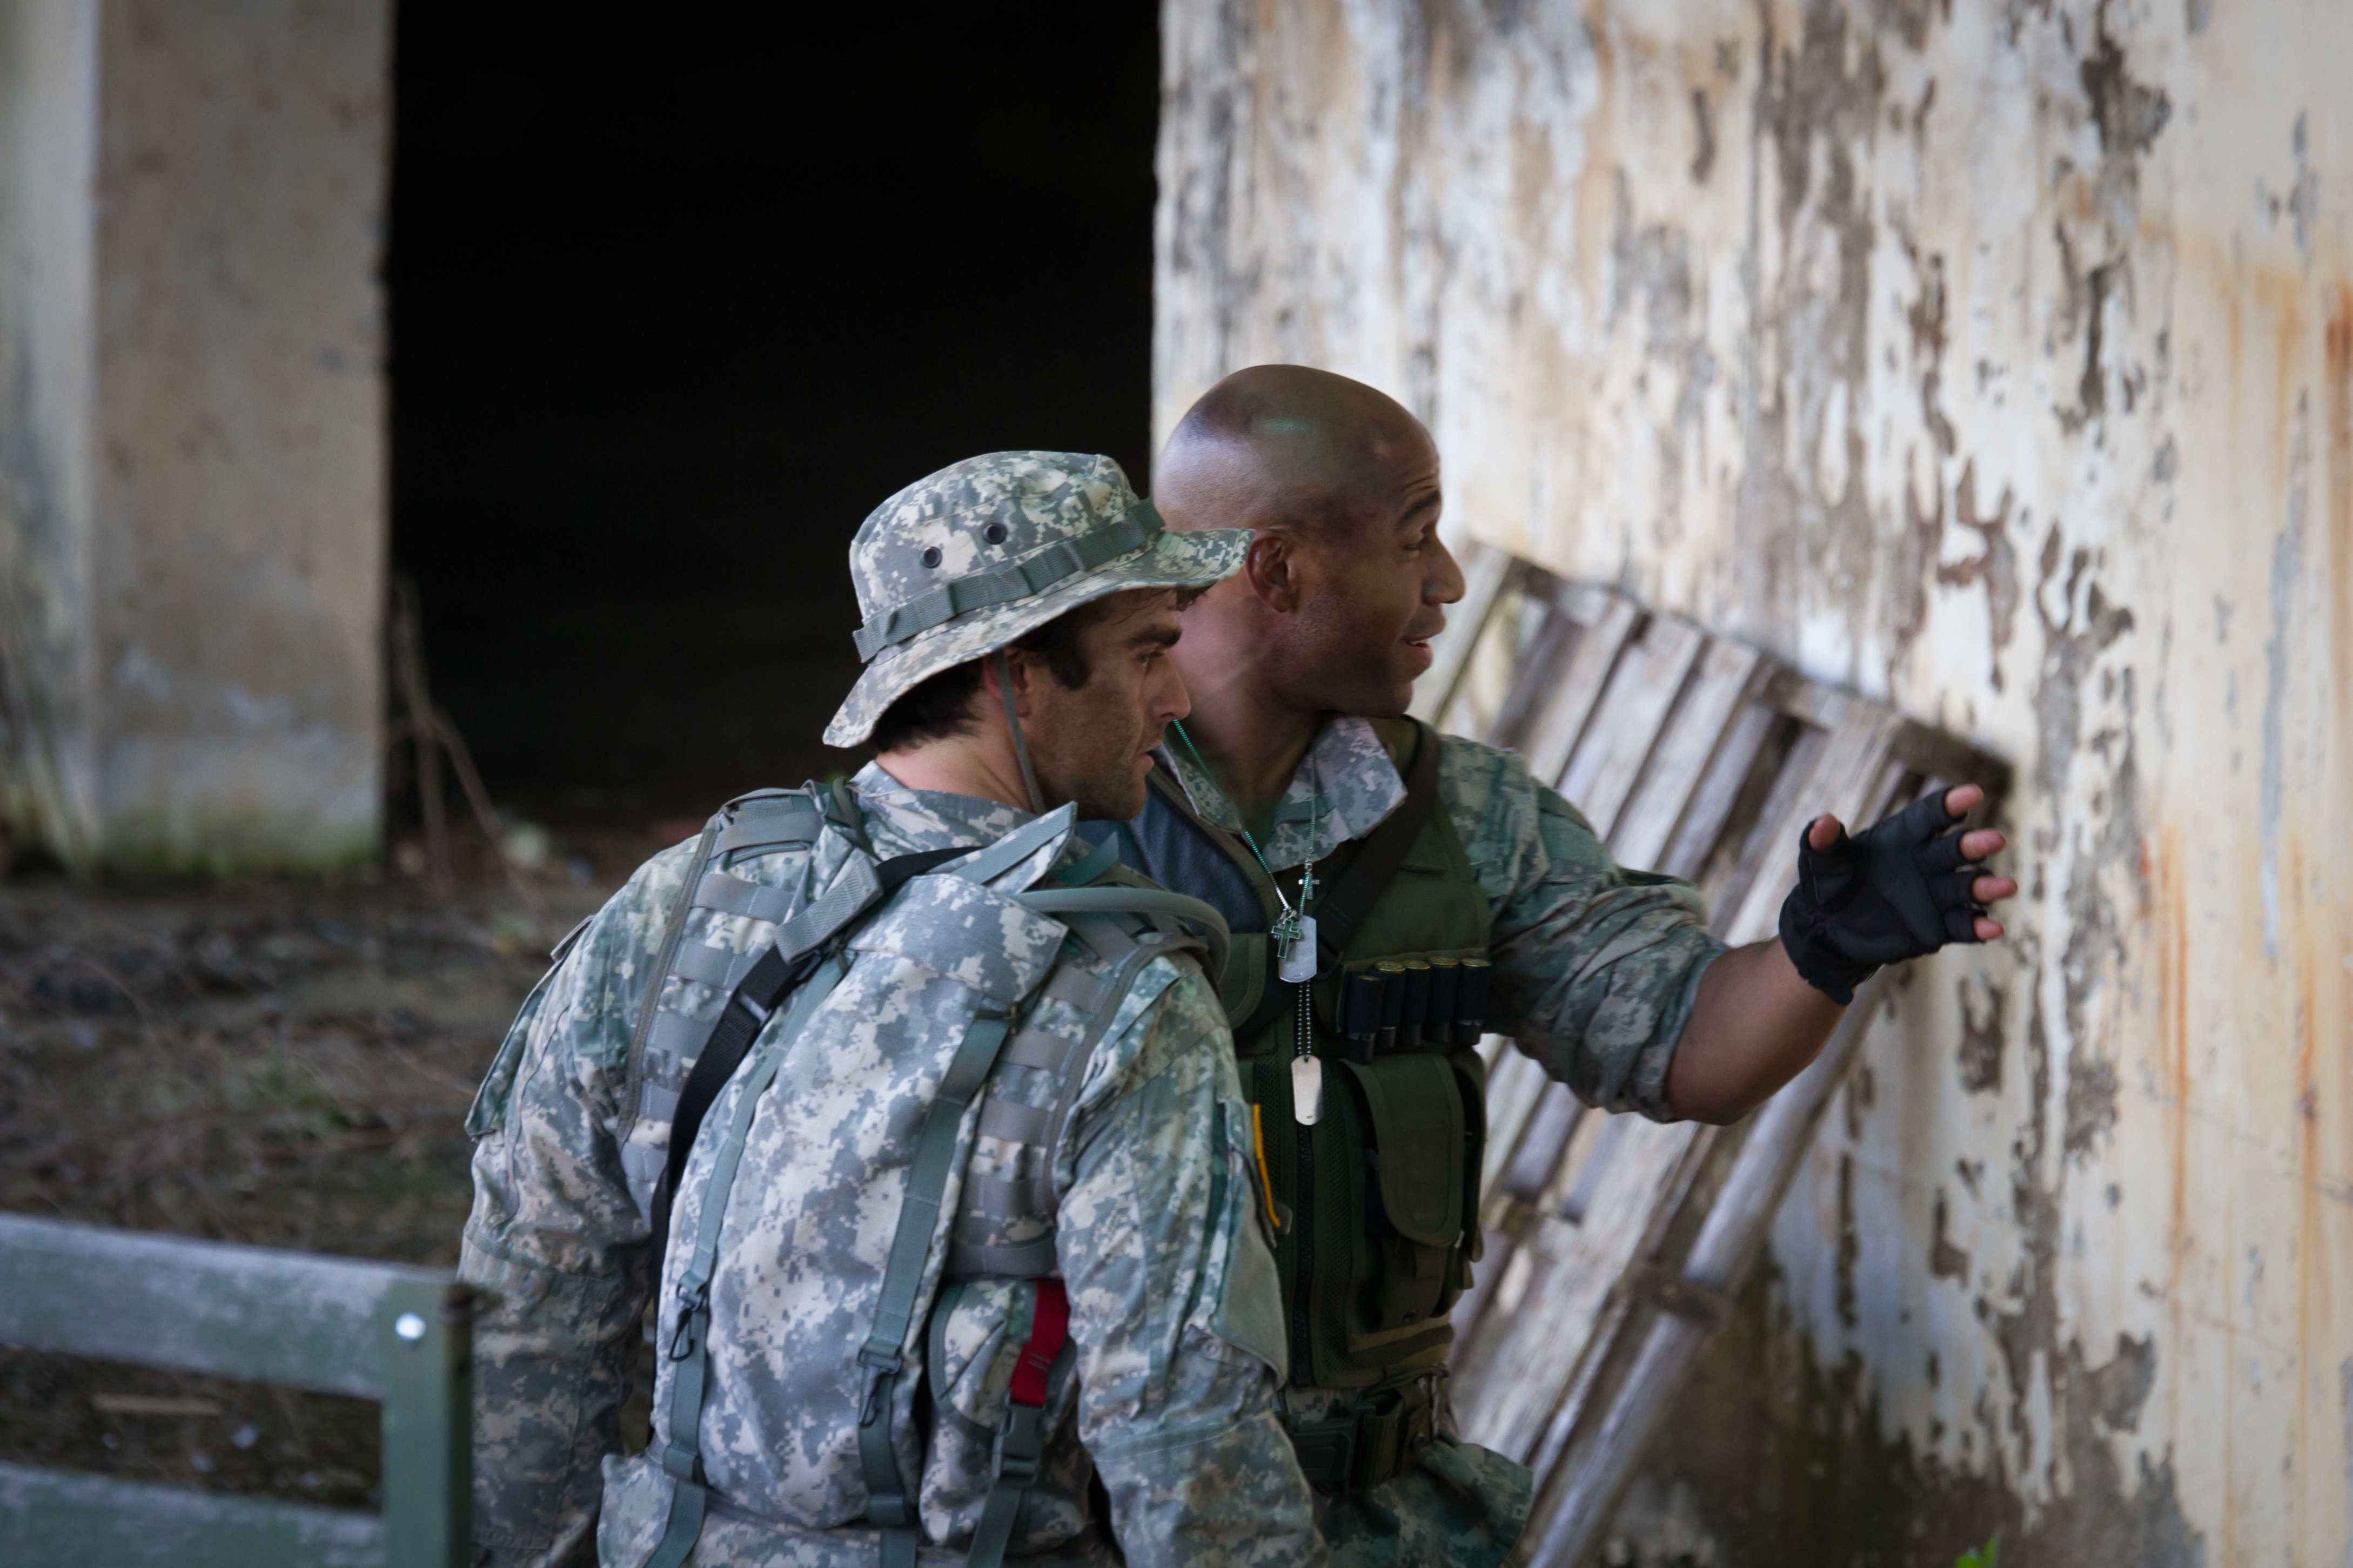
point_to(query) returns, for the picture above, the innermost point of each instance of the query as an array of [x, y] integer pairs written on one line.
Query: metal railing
[[334, 1325]]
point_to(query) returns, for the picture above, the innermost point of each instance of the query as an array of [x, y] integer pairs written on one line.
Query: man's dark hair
[[941, 706]]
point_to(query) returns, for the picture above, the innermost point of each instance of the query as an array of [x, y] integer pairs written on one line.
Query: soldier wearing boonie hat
[[966, 1230], [960, 565]]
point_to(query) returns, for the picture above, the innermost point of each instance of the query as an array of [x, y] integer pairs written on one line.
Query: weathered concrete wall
[[192, 494], [1997, 359], [48, 241]]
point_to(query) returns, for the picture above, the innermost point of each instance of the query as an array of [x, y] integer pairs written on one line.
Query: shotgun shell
[[1445, 980], [1471, 1002], [1392, 975], [1416, 1011]]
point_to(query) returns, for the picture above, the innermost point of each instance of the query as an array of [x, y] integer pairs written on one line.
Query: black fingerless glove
[[1896, 890]]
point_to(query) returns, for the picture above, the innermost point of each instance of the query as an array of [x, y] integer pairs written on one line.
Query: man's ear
[[1270, 568], [1026, 669]]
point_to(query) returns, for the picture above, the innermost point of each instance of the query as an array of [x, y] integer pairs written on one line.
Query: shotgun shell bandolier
[[1381, 1191]]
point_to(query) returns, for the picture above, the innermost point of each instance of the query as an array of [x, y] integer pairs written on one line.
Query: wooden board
[[1558, 721], [1846, 767], [1530, 639], [1738, 752], [1570, 1270], [1699, 756], [1680, 762], [1625, 726]]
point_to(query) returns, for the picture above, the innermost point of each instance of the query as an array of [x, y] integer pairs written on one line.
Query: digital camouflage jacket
[[1158, 1226]]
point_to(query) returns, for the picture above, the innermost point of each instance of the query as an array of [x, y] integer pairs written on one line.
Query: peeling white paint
[[1991, 359]]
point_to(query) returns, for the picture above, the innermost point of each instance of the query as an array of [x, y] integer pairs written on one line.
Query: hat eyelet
[[993, 533], [931, 555]]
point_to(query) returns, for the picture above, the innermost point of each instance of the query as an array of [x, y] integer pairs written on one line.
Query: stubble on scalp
[[1280, 446]]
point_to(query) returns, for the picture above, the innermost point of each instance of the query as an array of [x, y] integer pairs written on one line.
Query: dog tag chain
[[1293, 935], [1298, 949]]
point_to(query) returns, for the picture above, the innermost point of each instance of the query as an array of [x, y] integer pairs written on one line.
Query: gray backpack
[[690, 1065]]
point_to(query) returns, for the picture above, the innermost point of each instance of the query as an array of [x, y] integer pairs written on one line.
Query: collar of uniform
[[902, 821], [1343, 788]]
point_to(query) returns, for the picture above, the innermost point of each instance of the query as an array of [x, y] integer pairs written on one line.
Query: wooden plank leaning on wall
[[1614, 1245]]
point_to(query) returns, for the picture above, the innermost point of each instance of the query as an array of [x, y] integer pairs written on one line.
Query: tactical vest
[[932, 921], [1382, 1193]]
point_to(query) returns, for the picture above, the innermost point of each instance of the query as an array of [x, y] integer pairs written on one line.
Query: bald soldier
[[1395, 892]]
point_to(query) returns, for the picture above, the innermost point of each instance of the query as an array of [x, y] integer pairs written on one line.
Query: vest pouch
[[1470, 1073], [1415, 1125]]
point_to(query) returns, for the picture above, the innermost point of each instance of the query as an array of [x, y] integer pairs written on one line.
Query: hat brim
[[1171, 560]]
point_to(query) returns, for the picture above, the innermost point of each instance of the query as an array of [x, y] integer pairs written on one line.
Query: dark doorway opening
[[675, 304]]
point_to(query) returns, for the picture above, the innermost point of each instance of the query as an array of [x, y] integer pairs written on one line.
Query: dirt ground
[[283, 1063]]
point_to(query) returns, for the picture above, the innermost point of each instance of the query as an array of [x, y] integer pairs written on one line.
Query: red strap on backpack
[[1049, 1330]]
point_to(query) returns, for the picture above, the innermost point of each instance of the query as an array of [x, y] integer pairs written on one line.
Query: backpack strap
[[690, 1341], [673, 929], [889, 1506], [845, 813], [1021, 1443], [1355, 891], [666, 1041], [800, 943], [970, 1254], [1165, 910]]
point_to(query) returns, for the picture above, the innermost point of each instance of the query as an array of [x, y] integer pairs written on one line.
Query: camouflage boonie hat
[[988, 550]]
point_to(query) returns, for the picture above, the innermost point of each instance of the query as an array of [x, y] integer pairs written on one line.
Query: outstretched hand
[[1978, 844], [1903, 888]]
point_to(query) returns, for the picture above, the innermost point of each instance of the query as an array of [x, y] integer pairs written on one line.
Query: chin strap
[[1013, 722]]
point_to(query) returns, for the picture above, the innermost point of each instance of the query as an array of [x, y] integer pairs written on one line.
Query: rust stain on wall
[[1997, 361]]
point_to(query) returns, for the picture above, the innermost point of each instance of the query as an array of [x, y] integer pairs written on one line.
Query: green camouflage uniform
[[1595, 965], [1594, 971]]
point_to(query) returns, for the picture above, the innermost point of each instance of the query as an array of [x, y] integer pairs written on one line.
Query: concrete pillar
[[191, 429]]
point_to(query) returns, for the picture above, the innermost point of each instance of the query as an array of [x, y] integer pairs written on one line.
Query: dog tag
[[1307, 1089], [1299, 953]]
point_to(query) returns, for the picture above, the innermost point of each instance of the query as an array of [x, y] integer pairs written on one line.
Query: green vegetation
[[1986, 1556]]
